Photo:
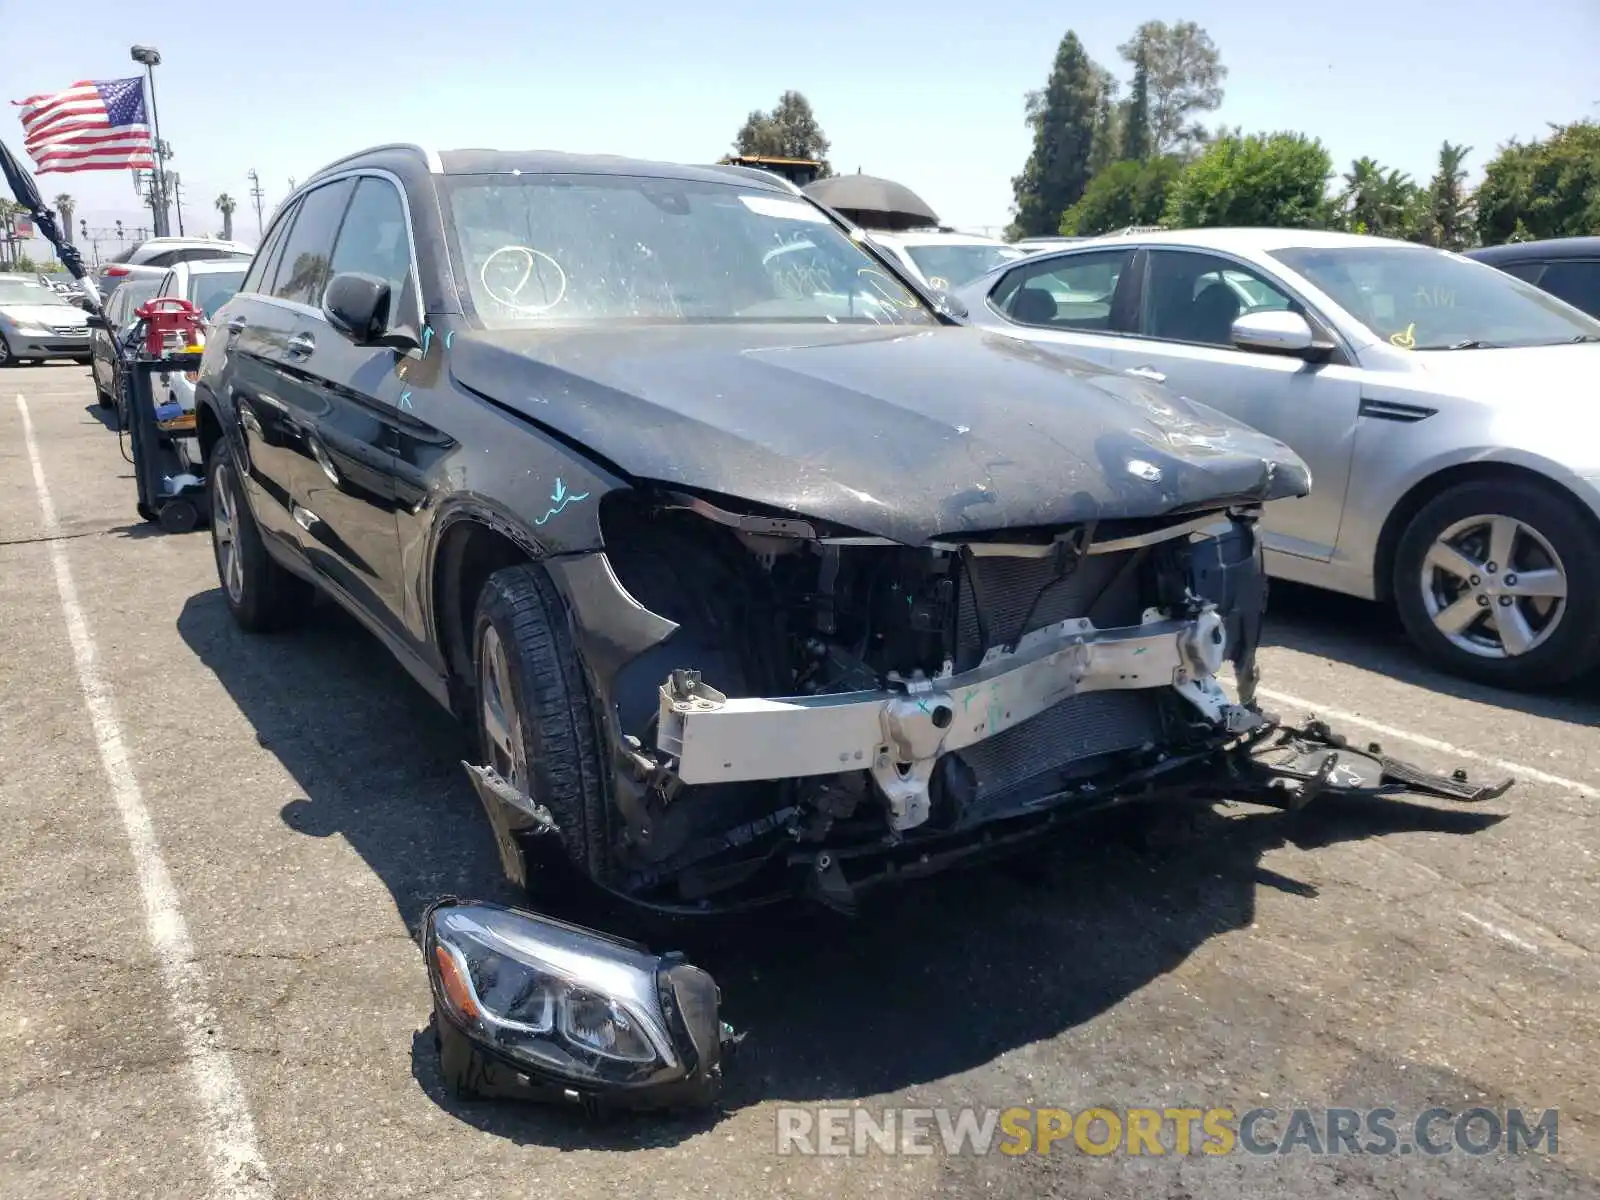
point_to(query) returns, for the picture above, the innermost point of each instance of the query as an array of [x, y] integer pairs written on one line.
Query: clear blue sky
[[929, 94]]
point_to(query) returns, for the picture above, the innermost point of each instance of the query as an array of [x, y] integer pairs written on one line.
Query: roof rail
[[431, 157], [770, 177]]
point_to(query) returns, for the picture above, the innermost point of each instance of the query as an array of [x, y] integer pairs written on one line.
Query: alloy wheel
[[5, 353], [502, 724], [225, 533], [1494, 586]]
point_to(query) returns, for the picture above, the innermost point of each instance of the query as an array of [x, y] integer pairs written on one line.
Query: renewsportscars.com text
[[1098, 1131]]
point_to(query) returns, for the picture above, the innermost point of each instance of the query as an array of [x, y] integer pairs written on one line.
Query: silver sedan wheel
[[501, 722], [1494, 586], [225, 533]]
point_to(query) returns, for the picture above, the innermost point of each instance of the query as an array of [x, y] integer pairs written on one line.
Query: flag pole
[[151, 58]]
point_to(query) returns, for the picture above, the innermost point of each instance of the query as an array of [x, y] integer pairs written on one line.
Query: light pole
[[150, 57]]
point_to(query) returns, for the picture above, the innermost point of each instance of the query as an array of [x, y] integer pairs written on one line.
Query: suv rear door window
[[308, 252], [259, 280]]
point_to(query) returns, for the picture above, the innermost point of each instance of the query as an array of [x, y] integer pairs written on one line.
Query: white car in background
[[1443, 406], [944, 258], [208, 284]]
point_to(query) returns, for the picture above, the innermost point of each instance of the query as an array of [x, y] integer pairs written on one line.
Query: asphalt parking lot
[[219, 849]]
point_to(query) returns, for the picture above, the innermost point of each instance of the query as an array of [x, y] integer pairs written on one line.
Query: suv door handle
[[236, 323], [1150, 373], [300, 345]]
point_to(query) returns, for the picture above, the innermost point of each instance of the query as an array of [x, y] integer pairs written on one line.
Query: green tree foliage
[[1449, 219], [1383, 203], [1125, 193], [1063, 123], [1276, 179], [790, 130], [1184, 77], [1549, 188], [1106, 145], [1136, 116]]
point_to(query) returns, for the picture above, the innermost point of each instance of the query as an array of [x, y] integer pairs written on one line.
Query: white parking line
[[237, 1168], [1417, 739]]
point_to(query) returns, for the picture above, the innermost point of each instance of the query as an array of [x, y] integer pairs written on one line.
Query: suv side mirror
[[97, 321], [1278, 331], [357, 305]]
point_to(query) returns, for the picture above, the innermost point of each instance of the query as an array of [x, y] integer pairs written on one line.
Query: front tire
[[1499, 582], [7, 358], [262, 595], [536, 720]]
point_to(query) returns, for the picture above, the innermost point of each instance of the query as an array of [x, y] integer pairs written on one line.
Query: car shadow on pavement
[[931, 980], [102, 416], [1369, 636]]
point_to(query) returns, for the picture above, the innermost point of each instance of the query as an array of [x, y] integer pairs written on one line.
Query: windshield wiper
[[1587, 337], [1464, 344]]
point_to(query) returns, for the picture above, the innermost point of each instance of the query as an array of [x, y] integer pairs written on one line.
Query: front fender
[[1376, 494]]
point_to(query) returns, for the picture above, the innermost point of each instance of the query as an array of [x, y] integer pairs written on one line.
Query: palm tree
[[1377, 201], [225, 206], [65, 205]]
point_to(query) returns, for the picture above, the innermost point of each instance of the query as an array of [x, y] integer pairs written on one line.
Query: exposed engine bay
[[832, 710]]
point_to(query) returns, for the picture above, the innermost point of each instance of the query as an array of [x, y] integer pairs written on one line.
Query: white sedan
[[1446, 410]]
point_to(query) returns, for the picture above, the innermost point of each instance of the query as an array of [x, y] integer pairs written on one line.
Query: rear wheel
[[262, 595], [1500, 582], [7, 358]]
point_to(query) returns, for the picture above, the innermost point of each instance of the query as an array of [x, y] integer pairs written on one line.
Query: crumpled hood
[[902, 433], [48, 315]]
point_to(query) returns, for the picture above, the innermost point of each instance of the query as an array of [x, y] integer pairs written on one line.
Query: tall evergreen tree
[[1057, 170], [1107, 144], [1136, 140], [1449, 209]]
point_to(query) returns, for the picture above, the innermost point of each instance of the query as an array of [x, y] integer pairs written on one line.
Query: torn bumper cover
[[899, 735]]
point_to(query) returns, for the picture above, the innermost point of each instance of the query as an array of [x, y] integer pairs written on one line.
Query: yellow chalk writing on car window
[[1406, 339]]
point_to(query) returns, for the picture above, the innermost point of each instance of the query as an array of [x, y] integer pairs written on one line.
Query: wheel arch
[[1441, 481], [473, 542]]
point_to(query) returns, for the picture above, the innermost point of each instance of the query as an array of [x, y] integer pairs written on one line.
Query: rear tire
[[7, 359], [262, 595], [1553, 536]]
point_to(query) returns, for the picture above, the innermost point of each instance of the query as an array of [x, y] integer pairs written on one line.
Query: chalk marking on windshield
[[1406, 339], [448, 334], [427, 337], [405, 398], [560, 498]]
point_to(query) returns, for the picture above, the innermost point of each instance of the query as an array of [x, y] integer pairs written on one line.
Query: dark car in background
[[106, 340], [1567, 268]]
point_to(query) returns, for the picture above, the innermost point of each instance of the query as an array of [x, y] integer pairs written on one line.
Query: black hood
[[902, 433]]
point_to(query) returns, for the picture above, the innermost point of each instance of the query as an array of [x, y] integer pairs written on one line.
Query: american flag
[[92, 126]]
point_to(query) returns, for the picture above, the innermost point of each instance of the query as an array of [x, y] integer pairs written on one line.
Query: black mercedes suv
[[752, 568]]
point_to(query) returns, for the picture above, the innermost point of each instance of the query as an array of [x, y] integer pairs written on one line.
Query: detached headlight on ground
[[532, 1007]]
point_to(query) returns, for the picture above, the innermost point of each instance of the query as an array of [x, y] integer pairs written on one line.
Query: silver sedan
[[1447, 410]]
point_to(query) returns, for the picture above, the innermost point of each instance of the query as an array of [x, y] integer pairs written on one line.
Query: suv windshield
[[1418, 298], [28, 291], [567, 247], [952, 266]]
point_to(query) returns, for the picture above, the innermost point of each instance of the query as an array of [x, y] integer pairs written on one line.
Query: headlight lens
[[571, 1002]]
